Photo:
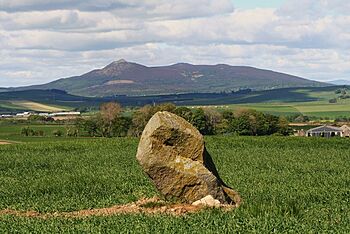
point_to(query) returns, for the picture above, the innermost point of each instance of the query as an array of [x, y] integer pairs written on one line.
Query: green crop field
[[12, 131], [36, 106], [313, 102], [288, 185], [319, 109]]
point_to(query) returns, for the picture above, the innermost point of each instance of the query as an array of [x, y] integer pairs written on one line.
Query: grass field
[[16, 106], [36, 106], [12, 132], [319, 109], [288, 185], [6, 106], [313, 102], [9, 105]]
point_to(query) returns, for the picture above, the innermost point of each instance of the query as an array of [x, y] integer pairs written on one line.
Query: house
[[6, 116], [300, 133], [325, 131], [24, 114], [70, 113], [346, 131]]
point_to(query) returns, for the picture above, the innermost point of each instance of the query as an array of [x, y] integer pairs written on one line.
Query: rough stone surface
[[172, 152], [207, 201]]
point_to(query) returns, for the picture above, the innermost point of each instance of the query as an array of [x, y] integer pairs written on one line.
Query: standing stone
[[172, 153]]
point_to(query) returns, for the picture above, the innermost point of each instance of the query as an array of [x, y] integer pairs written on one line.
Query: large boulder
[[172, 153]]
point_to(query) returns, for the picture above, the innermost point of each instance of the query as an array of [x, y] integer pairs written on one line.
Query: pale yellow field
[[35, 106]]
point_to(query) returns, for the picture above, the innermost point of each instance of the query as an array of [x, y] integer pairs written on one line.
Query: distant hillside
[[9, 100], [40, 100], [340, 82], [126, 78]]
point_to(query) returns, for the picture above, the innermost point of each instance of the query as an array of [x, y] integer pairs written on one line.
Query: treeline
[[27, 131], [112, 121], [300, 118], [342, 93]]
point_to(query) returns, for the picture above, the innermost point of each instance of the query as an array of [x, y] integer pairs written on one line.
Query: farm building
[[325, 131], [300, 133], [70, 113], [346, 131], [24, 114]]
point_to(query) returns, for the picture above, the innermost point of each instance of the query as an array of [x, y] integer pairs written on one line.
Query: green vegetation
[[343, 93], [313, 102], [30, 132], [110, 122], [288, 185], [26, 131], [315, 110]]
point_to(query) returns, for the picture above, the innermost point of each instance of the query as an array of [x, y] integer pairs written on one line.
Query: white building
[[69, 113], [24, 114], [325, 131]]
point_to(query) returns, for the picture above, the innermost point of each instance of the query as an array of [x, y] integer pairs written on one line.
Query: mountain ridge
[[339, 82], [128, 78]]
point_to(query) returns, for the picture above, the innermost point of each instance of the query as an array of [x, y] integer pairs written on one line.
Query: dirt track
[[146, 206]]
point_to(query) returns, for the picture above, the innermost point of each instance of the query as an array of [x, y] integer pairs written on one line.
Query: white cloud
[[126, 8], [42, 5], [313, 9], [41, 42]]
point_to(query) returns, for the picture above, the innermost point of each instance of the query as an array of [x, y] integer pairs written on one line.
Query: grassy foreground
[[12, 132], [294, 185]]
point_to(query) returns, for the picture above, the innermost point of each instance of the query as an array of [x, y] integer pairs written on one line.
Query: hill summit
[[127, 78]]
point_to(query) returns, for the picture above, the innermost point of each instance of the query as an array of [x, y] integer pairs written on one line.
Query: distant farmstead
[[54, 115], [326, 131], [71, 113], [346, 131]]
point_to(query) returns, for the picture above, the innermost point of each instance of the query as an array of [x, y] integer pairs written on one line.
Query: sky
[[249, 4], [44, 40]]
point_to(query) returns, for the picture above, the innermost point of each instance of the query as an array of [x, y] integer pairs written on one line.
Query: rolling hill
[[311, 101], [339, 82], [127, 78]]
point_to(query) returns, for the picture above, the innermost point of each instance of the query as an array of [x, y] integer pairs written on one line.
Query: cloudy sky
[[43, 40]]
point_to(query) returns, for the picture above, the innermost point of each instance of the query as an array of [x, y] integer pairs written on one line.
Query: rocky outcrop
[[172, 153]]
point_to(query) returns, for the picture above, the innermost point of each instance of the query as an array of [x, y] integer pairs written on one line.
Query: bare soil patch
[[37, 106], [5, 143], [149, 206], [112, 82]]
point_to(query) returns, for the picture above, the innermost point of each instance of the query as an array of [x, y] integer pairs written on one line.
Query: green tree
[[243, 126], [283, 126], [88, 126], [109, 113], [252, 122], [214, 120], [121, 126], [140, 119], [72, 131], [200, 121], [272, 122], [184, 112], [57, 133], [245, 122], [228, 115], [36, 118], [26, 131]]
